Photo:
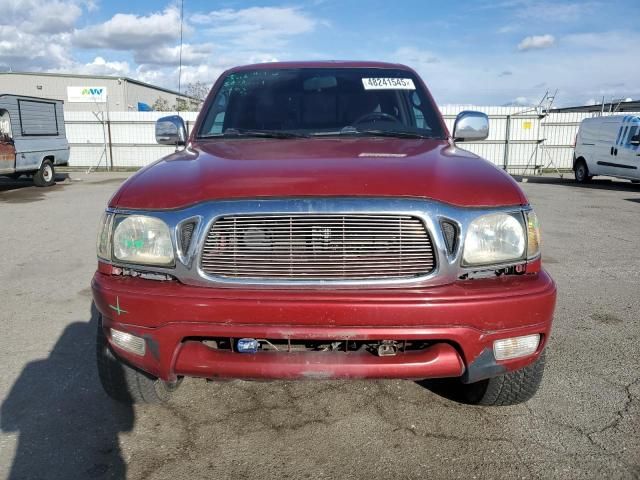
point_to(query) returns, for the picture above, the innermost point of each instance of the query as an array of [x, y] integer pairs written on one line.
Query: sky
[[501, 52]]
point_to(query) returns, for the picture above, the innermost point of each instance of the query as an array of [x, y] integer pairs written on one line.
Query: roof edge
[[104, 77]]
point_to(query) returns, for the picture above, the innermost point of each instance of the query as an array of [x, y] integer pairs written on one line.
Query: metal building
[[117, 94]]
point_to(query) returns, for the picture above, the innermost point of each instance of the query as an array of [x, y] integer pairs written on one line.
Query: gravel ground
[[57, 423]]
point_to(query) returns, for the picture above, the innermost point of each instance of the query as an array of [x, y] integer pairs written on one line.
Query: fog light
[[515, 347], [128, 342]]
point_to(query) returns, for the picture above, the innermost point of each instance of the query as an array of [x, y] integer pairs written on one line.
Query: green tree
[[198, 90], [181, 105], [161, 105]]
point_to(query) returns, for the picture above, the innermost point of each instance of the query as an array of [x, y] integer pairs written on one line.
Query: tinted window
[[633, 131], [321, 101]]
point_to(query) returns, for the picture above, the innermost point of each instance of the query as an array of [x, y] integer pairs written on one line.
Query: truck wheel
[[581, 172], [46, 176], [124, 383], [508, 389]]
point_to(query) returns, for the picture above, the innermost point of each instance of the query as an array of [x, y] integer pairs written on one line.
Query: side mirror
[[635, 140], [470, 126], [171, 131]]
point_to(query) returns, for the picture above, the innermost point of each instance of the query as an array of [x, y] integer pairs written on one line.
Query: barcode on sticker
[[388, 84]]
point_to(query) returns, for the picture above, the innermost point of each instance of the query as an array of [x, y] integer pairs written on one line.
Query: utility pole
[[180, 64]]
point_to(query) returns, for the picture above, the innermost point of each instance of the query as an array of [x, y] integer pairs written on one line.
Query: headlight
[[103, 245], [143, 240], [533, 234], [494, 238]]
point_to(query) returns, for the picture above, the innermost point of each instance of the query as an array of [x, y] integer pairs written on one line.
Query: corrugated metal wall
[[521, 142]]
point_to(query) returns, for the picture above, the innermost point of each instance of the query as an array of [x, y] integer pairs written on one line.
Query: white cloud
[[21, 51], [611, 41], [41, 16], [412, 55], [544, 11], [555, 11], [519, 102], [256, 27], [237, 36], [131, 32], [165, 55], [509, 29], [99, 66], [467, 77], [536, 42], [35, 33]]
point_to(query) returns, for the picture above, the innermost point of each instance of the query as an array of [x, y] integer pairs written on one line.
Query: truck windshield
[[285, 103]]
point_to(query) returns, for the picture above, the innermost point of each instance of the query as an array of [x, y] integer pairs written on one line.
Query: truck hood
[[316, 167]]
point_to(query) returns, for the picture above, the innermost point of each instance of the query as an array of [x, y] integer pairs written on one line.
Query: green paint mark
[[134, 243], [117, 308]]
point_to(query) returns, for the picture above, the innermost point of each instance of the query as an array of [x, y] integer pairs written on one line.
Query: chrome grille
[[318, 247]]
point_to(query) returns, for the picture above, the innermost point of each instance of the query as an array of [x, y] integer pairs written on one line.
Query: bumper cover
[[462, 320]]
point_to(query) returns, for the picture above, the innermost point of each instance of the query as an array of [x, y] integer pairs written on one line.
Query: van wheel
[[582, 172], [46, 176], [126, 384]]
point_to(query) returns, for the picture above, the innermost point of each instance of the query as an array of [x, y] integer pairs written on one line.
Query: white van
[[608, 146]]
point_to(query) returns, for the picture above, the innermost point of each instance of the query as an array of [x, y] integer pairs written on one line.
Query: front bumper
[[460, 320]]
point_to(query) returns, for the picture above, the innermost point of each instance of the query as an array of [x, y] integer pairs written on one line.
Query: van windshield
[[285, 103]]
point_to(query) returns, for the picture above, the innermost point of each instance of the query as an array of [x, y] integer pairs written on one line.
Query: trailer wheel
[[581, 172], [46, 176]]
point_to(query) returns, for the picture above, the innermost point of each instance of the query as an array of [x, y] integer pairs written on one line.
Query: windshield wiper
[[240, 132], [391, 133], [373, 132]]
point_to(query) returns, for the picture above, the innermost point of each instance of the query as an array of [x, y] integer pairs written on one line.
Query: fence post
[[110, 144], [507, 135]]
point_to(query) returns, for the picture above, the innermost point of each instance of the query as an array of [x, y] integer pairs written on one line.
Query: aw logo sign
[[87, 94]]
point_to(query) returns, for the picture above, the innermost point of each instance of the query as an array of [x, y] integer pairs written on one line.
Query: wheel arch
[[579, 159]]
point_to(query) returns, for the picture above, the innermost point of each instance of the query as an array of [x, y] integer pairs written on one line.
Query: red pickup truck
[[320, 222]]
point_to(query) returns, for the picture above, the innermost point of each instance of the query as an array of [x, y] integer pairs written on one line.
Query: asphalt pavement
[[57, 423]]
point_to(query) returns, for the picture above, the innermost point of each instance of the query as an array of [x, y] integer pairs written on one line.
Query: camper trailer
[[32, 138]]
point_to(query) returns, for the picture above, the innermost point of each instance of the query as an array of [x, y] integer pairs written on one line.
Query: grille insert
[[450, 235], [318, 247], [186, 233]]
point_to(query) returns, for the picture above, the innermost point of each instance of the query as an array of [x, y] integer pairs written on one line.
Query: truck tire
[[125, 383], [581, 172], [509, 389], [46, 175]]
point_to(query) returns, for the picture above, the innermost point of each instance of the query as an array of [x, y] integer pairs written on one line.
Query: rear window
[[321, 101], [38, 118]]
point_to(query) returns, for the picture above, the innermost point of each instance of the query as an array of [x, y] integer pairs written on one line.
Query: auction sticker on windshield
[[388, 84]]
